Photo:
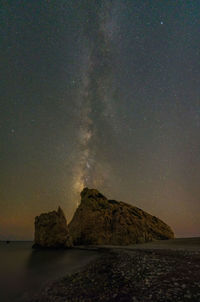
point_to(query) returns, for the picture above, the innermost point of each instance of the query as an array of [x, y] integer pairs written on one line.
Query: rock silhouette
[[100, 221], [51, 230]]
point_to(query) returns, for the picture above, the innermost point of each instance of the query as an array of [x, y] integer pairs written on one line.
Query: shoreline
[[131, 275], [177, 244], [52, 266]]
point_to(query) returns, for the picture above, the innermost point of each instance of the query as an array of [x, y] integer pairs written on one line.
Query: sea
[[24, 272]]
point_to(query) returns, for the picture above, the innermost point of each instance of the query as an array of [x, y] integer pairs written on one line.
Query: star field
[[102, 94]]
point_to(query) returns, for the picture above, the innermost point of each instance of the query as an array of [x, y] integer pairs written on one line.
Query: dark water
[[23, 271]]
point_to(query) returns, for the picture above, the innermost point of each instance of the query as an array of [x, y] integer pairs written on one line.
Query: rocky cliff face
[[98, 220], [51, 230]]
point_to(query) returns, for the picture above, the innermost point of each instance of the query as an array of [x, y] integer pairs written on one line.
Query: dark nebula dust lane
[[102, 94]]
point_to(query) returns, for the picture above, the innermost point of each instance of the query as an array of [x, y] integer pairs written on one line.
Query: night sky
[[104, 94]]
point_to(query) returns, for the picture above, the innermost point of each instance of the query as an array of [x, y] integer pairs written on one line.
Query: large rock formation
[[98, 220], [51, 230]]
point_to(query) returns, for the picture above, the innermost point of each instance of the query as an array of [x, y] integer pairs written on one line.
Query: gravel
[[131, 275]]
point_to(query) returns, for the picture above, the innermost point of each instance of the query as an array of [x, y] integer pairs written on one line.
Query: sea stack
[[100, 221], [51, 230]]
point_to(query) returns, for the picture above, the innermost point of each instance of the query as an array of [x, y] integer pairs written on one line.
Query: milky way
[[102, 94], [95, 100]]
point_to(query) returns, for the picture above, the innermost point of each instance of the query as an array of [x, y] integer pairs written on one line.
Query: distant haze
[[103, 94]]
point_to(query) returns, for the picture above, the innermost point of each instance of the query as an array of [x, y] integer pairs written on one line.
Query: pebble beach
[[131, 275]]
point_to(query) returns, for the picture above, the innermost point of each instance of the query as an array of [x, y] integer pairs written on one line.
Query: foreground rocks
[[99, 221], [51, 230], [136, 275]]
